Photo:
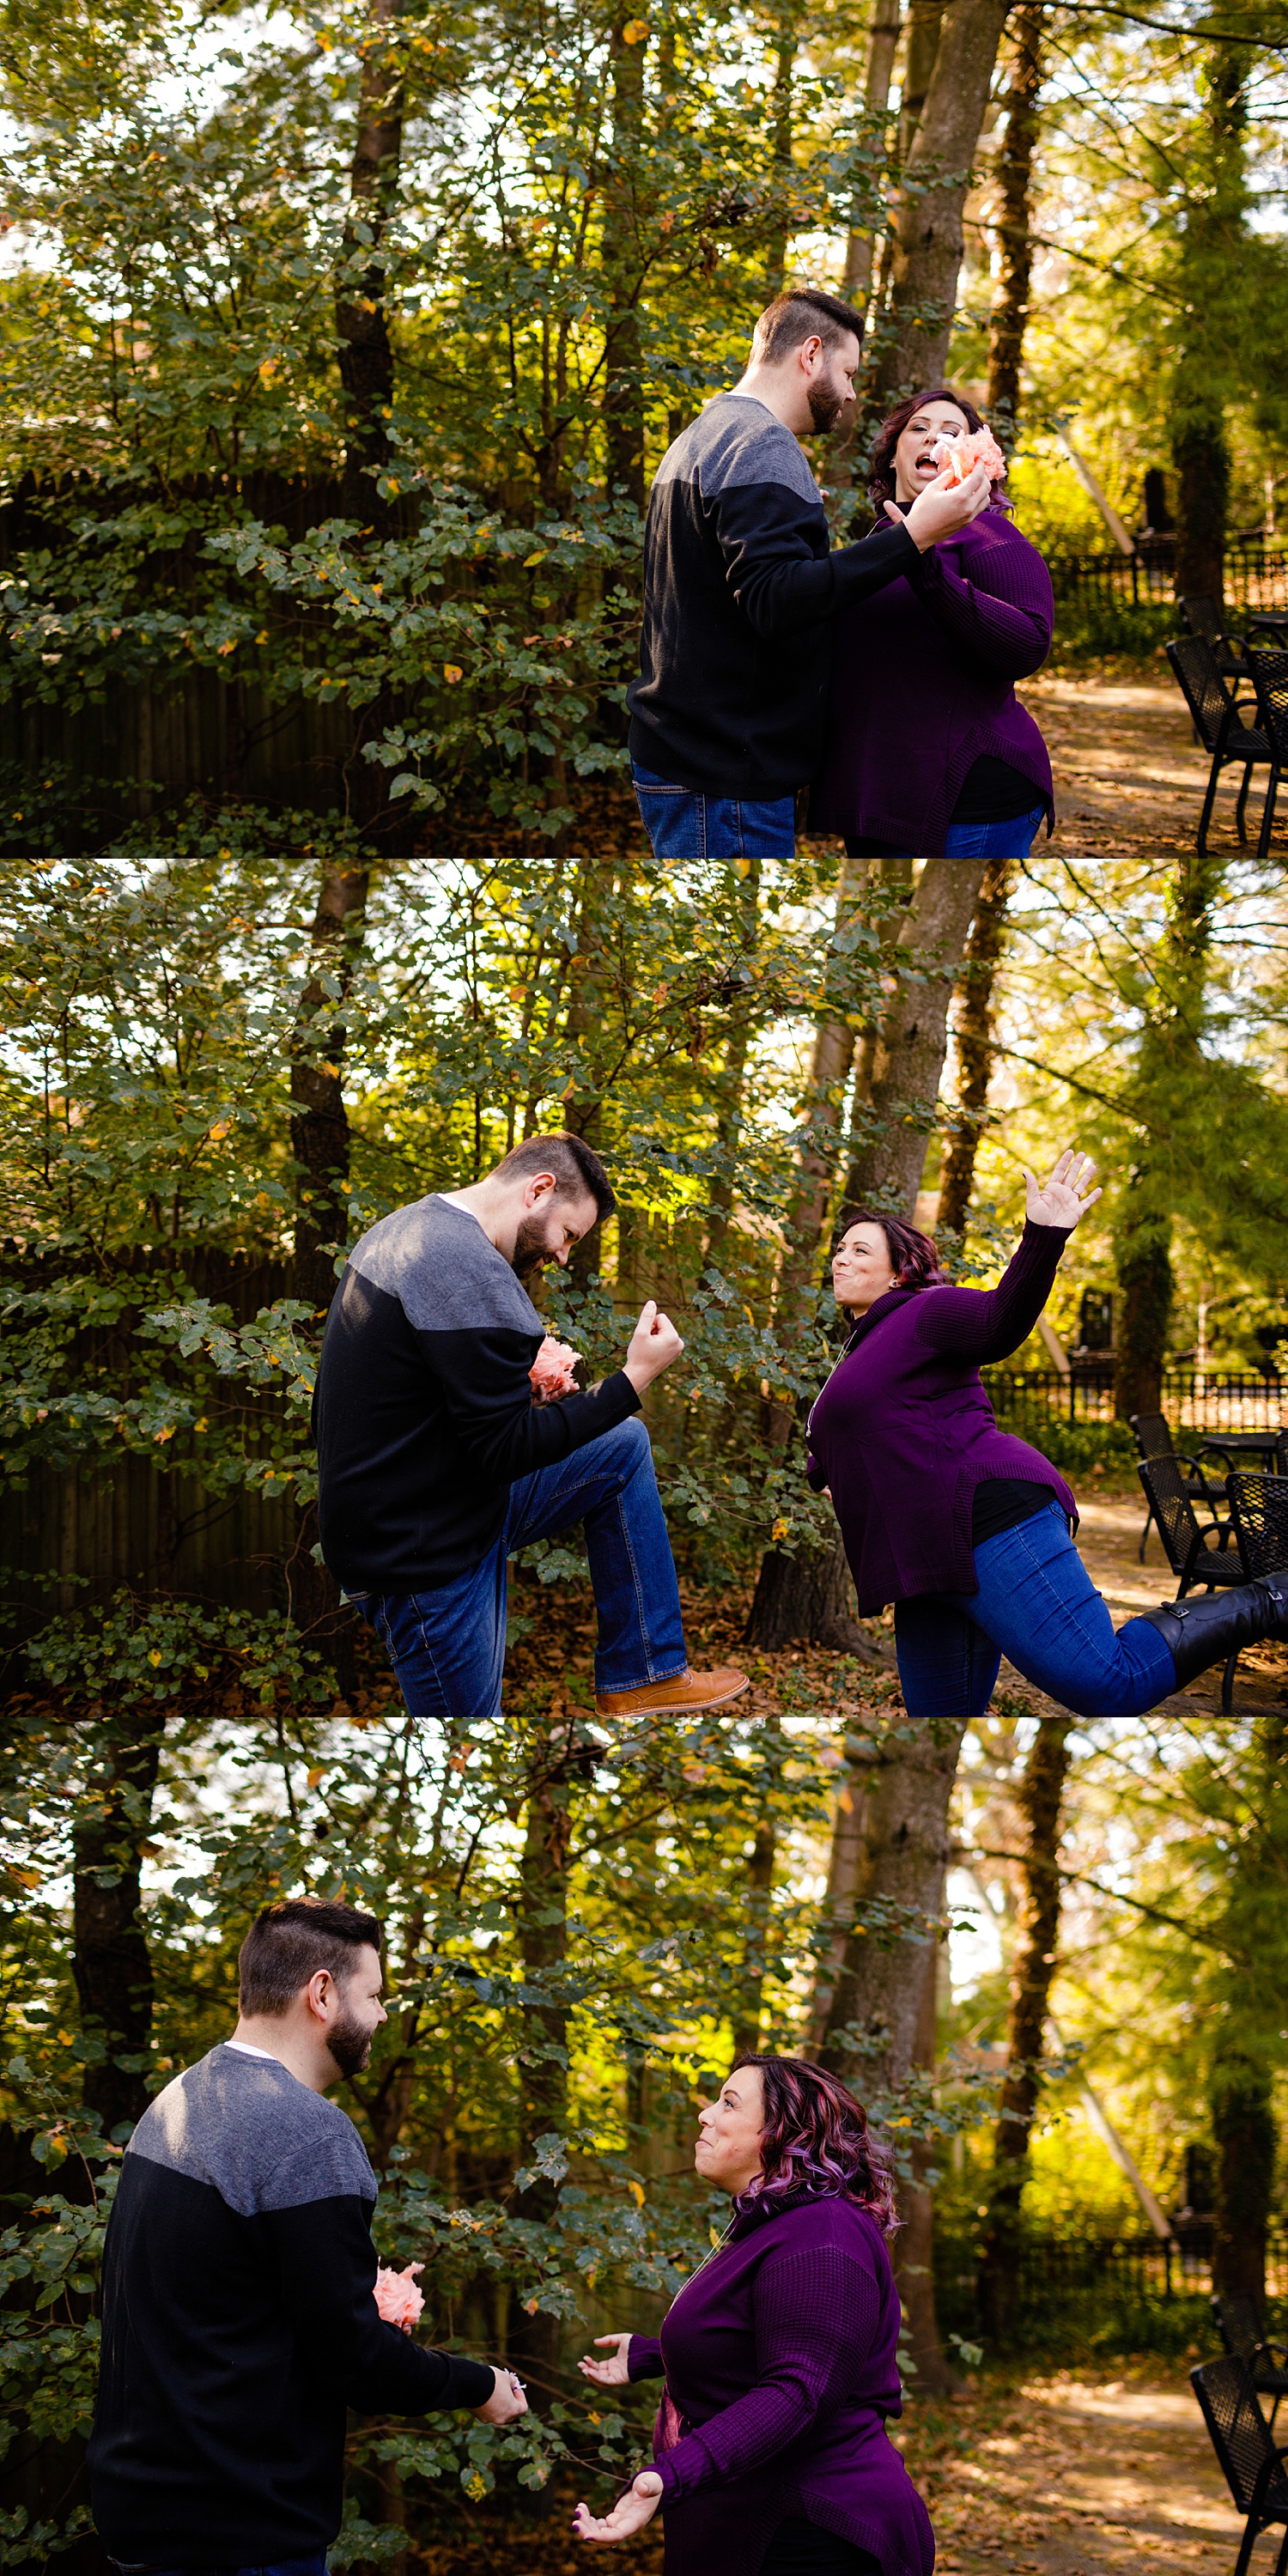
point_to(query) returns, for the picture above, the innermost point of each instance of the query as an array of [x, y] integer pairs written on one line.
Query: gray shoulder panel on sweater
[[437, 1261], [737, 440], [263, 2140]]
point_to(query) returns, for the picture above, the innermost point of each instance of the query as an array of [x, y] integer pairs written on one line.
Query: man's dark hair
[[288, 1943], [575, 1167], [797, 316]]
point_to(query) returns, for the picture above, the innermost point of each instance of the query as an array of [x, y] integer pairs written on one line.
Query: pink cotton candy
[[974, 447], [397, 2297], [552, 1371]]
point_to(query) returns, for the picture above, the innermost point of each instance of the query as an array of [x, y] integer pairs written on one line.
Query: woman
[[963, 1527], [929, 753], [779, 2353]]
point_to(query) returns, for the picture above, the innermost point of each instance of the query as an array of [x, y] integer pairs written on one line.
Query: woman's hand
[[1067, 1194], [608, 2374], [629, 2514]]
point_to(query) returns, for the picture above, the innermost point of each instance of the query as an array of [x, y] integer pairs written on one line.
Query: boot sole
[[676, 1707]]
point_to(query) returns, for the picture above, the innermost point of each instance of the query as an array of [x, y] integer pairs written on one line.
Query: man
[[239, 2320], [728, 712], [435, 1466]]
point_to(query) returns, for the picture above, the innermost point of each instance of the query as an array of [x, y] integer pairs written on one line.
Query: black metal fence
[[1191, 1401], [1256, 574], [1134, 2264]]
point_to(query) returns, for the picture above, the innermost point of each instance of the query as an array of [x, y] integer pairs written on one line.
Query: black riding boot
[[1204, 1631]]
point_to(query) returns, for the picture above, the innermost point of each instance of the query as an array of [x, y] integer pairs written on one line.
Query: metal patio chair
[[1252, 2466], [1152, 1433], [1259, 1511], [1203, 615], [1220, 721], [1242, 2331], [1268, 669], [1185, 1543]]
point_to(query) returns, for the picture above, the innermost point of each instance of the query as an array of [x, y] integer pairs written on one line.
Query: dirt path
[[1109, 1541], [1128, 771]]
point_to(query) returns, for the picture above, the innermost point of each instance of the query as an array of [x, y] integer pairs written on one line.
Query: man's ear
[[541, 1186]]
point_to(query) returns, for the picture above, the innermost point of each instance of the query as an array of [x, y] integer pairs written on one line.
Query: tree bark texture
[[925, 19], [1205, 377], [912, 1041], [111, 1963], [973, 1037], [366, 354], [1243, 2134], [928, 238], [1041, 1797], [807, 1599], [1009, 318], [914, 2246], [1143, 1261], [861, 247], [543, 2055], [784, 72], [760, 1882], [901, 1854]]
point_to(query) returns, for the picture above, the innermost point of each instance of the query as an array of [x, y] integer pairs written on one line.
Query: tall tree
[[883, 44], [111, 1959], [1205, 374], [912, 1039], [973, 1041], [928, 238], [1009, 317], [361, 319], [623, 266]]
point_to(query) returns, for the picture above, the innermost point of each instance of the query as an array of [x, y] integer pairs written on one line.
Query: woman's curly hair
[[913, 1257], [881, 465], [816, 2139]]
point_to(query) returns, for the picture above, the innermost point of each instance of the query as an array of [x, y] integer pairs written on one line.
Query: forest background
[[338, 346]]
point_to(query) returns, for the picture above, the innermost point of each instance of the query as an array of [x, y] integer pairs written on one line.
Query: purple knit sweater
[[780, 2358], [903, 1431], [922, 686]]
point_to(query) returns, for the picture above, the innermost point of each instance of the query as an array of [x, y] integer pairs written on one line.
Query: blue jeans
[[1035, 1603], [1012, 839], [683, 824], [447, 1647]]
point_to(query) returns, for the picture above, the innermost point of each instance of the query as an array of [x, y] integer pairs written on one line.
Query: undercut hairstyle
[[913, 1257], [881, 465], [799, 315], [816, 2140], [288, 1943], [577, 1170]]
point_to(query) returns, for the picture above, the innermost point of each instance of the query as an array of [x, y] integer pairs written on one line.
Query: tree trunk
[[1040, 1800], [807, 1599], [1206, 374], [973, 1034], [928, 239], [543, 2054], [319, 1125], [623, 380], [1243, 2134], [1009, 318], [860, 248], [912, 1041], [734, 1071], [784, 68], [925, 18], [901, 1856], [111, 1963], [760, 1881], [366, 356], [914, 2246], [1143, 1262]]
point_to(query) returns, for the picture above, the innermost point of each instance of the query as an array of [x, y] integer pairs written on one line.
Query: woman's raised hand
[[630, 2513], [608, 2374], [1065, 1195]]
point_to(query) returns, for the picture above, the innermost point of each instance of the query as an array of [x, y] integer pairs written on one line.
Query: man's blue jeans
[[1037, 1604], [447, 1647], [683, 824]]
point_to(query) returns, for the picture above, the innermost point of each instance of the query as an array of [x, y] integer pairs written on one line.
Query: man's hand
[[1065, 1196], [653, 1345], [608, 2374], [944, 507], [506, 2401], [635, 2508]]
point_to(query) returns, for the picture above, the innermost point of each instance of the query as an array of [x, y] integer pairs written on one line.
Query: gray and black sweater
[[739, 593], [423, 1414], [239, 2324]]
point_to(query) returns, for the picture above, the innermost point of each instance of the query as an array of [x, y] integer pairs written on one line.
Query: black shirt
[[1002, 1502]]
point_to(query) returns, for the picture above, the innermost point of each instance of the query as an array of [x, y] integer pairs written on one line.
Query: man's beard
[[825, 406], [530, 1248], [349, 2044]]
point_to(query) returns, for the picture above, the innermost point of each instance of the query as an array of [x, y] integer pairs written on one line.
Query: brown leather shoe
[[687, 1690]]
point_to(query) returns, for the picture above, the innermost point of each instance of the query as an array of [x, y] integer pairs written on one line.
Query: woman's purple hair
[[816, 2139], [913, 1257], [881, 463]]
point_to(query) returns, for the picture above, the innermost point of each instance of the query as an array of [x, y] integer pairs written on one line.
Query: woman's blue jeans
[[1037, 1605], [1012, 839], [447, 1647]]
